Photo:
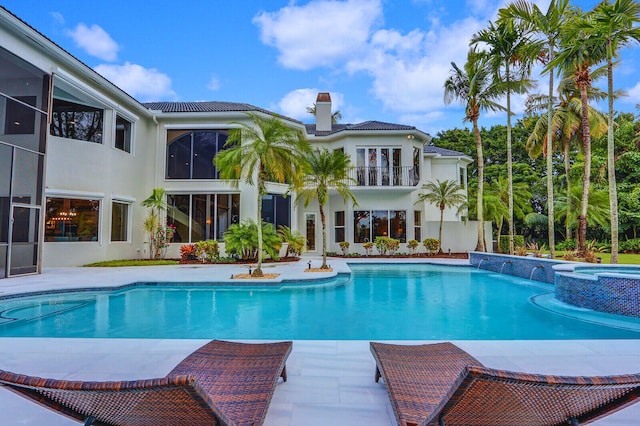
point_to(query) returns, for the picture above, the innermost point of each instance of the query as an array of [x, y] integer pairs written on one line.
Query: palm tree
[[547, 25], [512, 51], [265, 150], [335, 116], [157, 204], [442, 194], [597, 206], [474, 87], [615, 25], [326, 170], [579, 52], [498, 192], [566, 126]]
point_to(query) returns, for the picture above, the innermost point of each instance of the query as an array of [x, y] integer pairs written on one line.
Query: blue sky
[[381, 60]]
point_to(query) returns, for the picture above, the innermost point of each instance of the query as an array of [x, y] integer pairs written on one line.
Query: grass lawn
[[144, 262], [623, 258]]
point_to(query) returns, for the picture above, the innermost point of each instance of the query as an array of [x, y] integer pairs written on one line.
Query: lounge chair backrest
[[175, 400], [484, 396]]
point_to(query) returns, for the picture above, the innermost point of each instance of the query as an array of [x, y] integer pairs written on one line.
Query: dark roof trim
[[208, 107]]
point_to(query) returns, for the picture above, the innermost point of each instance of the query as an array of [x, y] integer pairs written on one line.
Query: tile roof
[[364, 126], [211, 106], [430, 149]]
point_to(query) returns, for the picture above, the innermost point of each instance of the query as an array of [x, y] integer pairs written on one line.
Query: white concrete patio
[[330, 382]]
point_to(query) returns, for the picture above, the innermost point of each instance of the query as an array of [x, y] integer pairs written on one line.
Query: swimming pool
[[379, 302]]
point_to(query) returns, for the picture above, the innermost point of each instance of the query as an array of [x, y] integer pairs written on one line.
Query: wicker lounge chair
[[222, 383], [440, 384]]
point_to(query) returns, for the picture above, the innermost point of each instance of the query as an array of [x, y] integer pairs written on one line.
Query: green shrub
[[431, 245], [386, 245], [344, 246], [207, 249], [412, 245], [518, 241], [241, 240], [566, 245], [630, 246], [295, 240], [368, 247]]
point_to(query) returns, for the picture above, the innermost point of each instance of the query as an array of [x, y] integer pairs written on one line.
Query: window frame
[[126, 221], [128, 145], [72, 197], [370, 214]]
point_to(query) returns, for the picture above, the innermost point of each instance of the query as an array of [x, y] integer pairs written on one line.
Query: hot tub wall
[[536, 268], [611, 294]]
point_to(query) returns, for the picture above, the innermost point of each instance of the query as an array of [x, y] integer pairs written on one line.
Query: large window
[[119, 221], [276, 209], [190, 153], [71, 219], [369, 224], [417, 225], [76, 121], [200, 217], [20, 118], [379, 166], [123, 134]]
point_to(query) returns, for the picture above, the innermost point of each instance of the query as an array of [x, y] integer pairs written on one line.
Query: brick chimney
[[323, 112]]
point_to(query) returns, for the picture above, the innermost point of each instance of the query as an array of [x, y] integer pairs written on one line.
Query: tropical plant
[[294, 239], [207, 250], [368, 248], [475, 88], [188, 252], [548, 26], [579, 52], [344, 246], [265, 150], [498, 194], [241, 240], [597, 208], [156, 204], [326, 170], [616, 25], [412, 245], [511, 53], [442, 194], [431, 245]]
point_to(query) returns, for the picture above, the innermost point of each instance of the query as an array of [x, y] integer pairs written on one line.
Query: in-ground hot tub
[[613, 289]]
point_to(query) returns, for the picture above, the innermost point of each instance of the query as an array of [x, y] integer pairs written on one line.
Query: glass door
[[311, 231], [24, 237]]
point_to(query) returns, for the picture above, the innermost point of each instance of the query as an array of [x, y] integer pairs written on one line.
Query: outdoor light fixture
[[309, 263], [249, 269]]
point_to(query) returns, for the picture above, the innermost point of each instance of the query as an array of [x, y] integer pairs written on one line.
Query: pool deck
[[330, 382]]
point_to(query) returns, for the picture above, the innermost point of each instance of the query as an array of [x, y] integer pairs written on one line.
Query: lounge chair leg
[[574, 421], [378, 375], [284, 374], [89, 421]]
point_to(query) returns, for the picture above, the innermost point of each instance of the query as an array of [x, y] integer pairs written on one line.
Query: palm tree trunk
[[611, 170], [440, 232], [550, 207], [567, 169], [323, 220], [480, 245], [509, 163], [586, 180], [258, 271]]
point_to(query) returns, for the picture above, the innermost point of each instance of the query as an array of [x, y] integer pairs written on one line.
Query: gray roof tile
[[365, 126], [211, 106], [430, 149]]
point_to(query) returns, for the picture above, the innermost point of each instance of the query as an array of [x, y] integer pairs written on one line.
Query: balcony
[[400, 176]]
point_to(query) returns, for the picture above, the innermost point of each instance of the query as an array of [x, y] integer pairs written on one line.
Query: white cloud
[[144, 84], [95, 41], [214, 84], [294, 104], [58, 17], [320, 33], [633, 95]]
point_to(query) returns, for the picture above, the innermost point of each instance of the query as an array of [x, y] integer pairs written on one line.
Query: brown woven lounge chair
[[222, 383], [440, 384]]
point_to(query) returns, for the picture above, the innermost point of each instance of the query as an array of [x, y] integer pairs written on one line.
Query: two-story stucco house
[[78, 156]]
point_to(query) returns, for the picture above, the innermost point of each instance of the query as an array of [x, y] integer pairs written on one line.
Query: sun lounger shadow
[[440, 384], [223, 383]]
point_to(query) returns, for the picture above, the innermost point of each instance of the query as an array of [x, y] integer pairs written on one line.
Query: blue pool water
[[378, 302]]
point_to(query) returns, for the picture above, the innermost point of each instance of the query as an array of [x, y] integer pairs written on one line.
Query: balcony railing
[[384, 176]]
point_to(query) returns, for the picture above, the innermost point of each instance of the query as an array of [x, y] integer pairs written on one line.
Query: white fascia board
[[123, 198], [69, 193]]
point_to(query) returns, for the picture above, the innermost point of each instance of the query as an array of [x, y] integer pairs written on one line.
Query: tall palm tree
[[615, 24], [548, 26], [511, 53], [597, 206], [264, 150], [579, 52], [442, 194], [566, 127], [475, 88], [326, 170]]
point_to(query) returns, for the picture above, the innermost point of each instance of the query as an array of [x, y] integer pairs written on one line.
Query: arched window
[[190, 153]]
